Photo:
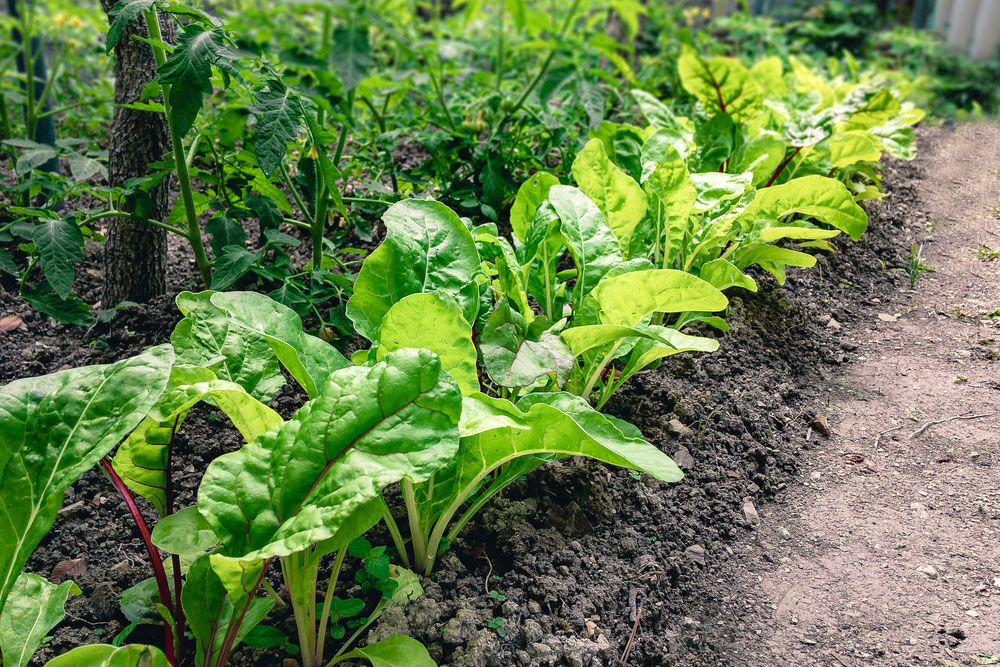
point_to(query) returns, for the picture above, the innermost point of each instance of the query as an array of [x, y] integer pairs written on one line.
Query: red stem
[[234, 626], [154, 555], [781, 167], [175, 560]]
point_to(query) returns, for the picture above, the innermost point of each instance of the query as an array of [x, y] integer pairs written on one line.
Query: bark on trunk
[[135, 252]]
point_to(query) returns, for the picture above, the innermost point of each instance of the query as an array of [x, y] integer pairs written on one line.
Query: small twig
[[941, 421], [879, 436], [486, 582], [631, 637], [809, 432]]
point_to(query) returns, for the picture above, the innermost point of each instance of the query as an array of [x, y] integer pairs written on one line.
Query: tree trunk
[[135, 252]]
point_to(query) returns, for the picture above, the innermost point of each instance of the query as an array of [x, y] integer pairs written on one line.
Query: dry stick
[[941, 421], [486, 583], [631, 637]]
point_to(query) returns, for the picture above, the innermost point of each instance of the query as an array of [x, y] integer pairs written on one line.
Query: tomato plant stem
[[180, 159]]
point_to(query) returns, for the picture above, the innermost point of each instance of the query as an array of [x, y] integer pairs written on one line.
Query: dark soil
[[590, 562]]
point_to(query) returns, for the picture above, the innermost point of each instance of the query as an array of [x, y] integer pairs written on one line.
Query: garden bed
[[586, 561]]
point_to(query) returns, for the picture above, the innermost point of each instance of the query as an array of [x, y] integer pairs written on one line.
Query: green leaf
[[34, 607], [819, 197], [82, 167], [59, 244], [713, 188], [35, 156], [627, 299], [310, 360], [426, 248], [854, 146], [278, 120], [351, 55], [231, 265], [225, 232], [206, 337], [210, 611], [591, 241], [141, 461], [773, 259], [723, 274], [106, 655], [393, 651], [620, 199], [649, 350], [557, 424], [760, 156], [529, 197], [671, 196], [67, 311], [657, 113], [515, 356], [722, 85], [298, 484], [53, 429], [124, 13], [432, 322], [188, 71], [184, 532], [769, 75]]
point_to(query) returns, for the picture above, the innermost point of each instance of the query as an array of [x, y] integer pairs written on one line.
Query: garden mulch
[[589, 563]]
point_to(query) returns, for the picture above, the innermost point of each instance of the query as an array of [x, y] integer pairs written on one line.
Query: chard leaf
[[299, 483], [713, 188], [106, 655], [769, 75], [557, 424], [586, 338], [671, 195], [514, 356], [432, 322], [760, 156], [35, 607], [184, 532], [648, 350], [278, 119], [141, 461], [854, 146], [393, 651], [628, 298], [210, 611], [53, 429], [723, 274], [819, 197], [657, 113], [59, 244], [426, 248], [774, 259], [309, 359], [620, 199], [205, 337], [529, 197], [590, 240], [722, 85]]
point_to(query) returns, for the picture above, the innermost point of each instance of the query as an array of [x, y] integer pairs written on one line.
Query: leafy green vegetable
[[52, 430], [34, 607]]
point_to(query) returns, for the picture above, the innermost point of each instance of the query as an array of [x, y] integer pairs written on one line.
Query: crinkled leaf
[[297, 484], [188, 71], [206, 337], [713, 188], [124, 13], [351, 54], [231, 265], [53, 429], [426, 248], [514, 356]]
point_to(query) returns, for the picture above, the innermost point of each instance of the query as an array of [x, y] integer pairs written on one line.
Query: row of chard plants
[[489, 356]]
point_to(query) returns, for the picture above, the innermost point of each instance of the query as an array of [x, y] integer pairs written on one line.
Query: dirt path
[[887, 549]]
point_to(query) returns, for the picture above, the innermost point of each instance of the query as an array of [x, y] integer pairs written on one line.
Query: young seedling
[[916, 264]]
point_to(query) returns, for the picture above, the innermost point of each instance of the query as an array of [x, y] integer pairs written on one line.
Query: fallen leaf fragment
[[9, 323], [68, 568]]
